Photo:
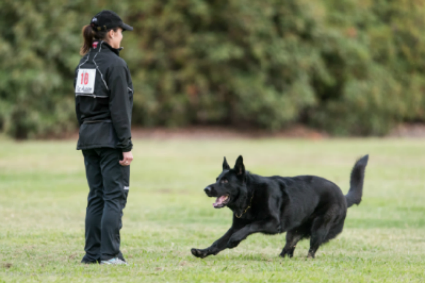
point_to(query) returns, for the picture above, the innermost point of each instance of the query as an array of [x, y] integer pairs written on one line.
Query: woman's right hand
[[127, 158]]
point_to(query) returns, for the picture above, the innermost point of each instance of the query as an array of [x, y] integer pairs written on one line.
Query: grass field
[[43, 197]]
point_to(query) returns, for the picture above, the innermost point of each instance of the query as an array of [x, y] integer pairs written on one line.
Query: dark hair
[[89, 35]]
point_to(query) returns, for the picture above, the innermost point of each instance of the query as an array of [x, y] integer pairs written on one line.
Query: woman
[[104, 101]]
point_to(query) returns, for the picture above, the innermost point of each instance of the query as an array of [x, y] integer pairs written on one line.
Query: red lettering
[[86, 78], [82, 77]]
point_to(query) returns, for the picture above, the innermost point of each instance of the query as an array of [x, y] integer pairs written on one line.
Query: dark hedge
[[348, 67]]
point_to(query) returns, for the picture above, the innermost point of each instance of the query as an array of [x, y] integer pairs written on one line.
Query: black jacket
[[103, 99]]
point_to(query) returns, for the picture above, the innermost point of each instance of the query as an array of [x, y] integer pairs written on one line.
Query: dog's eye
[[224, 181]]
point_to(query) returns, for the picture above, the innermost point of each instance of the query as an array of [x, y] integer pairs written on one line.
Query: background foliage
[[352, 67]]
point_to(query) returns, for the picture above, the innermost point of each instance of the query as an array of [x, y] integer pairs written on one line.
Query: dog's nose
[[207, 190]]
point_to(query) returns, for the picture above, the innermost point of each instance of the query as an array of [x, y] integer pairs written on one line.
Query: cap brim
[[126, 27]]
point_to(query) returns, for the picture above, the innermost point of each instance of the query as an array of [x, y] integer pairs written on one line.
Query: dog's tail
[[354, 195]]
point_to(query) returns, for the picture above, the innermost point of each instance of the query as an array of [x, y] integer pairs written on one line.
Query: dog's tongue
[[219, 201]]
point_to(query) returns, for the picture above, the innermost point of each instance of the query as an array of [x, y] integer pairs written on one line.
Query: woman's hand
[[127, 158]]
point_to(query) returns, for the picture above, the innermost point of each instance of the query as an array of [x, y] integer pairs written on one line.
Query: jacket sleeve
[[77, 101], [120, 106]]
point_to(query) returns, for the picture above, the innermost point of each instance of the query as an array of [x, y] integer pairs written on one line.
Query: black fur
[[302, 206]]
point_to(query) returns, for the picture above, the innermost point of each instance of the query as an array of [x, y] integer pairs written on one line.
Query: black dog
[[302, 206]]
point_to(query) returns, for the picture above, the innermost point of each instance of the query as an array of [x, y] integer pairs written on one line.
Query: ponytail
[[88, 35]]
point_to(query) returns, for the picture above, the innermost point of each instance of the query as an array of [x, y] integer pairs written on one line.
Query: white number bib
[[85, 81]]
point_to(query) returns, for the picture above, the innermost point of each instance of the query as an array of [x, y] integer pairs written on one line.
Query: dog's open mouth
[[221, 201]]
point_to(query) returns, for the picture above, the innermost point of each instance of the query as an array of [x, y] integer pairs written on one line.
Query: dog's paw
[[287, 252], [199, 253], [283, 254]]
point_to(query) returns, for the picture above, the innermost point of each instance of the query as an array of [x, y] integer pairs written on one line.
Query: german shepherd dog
[[302, 206]]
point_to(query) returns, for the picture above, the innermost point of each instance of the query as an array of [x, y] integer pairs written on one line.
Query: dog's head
[[230, 186]]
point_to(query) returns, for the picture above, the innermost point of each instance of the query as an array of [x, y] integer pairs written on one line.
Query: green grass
[[43, 197]]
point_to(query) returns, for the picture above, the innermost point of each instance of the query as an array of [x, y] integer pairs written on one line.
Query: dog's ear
[[225, 164], [239, 167]]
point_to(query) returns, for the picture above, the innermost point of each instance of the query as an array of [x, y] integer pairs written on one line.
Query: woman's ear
[[111, 33]]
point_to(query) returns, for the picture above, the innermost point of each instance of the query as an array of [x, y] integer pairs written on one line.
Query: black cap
[[107, 20]]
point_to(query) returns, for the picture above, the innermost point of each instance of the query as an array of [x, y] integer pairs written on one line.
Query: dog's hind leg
[[319, 231], [292, 238], [335, 230]]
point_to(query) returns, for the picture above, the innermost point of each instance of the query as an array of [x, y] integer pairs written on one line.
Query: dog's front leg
[[221, 243], [270, 226], [216, 247]]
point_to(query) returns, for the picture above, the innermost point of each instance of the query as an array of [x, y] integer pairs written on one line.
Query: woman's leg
[[116, 182], [94, 209]]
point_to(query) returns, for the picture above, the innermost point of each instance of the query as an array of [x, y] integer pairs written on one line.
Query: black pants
[[109, 187]]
